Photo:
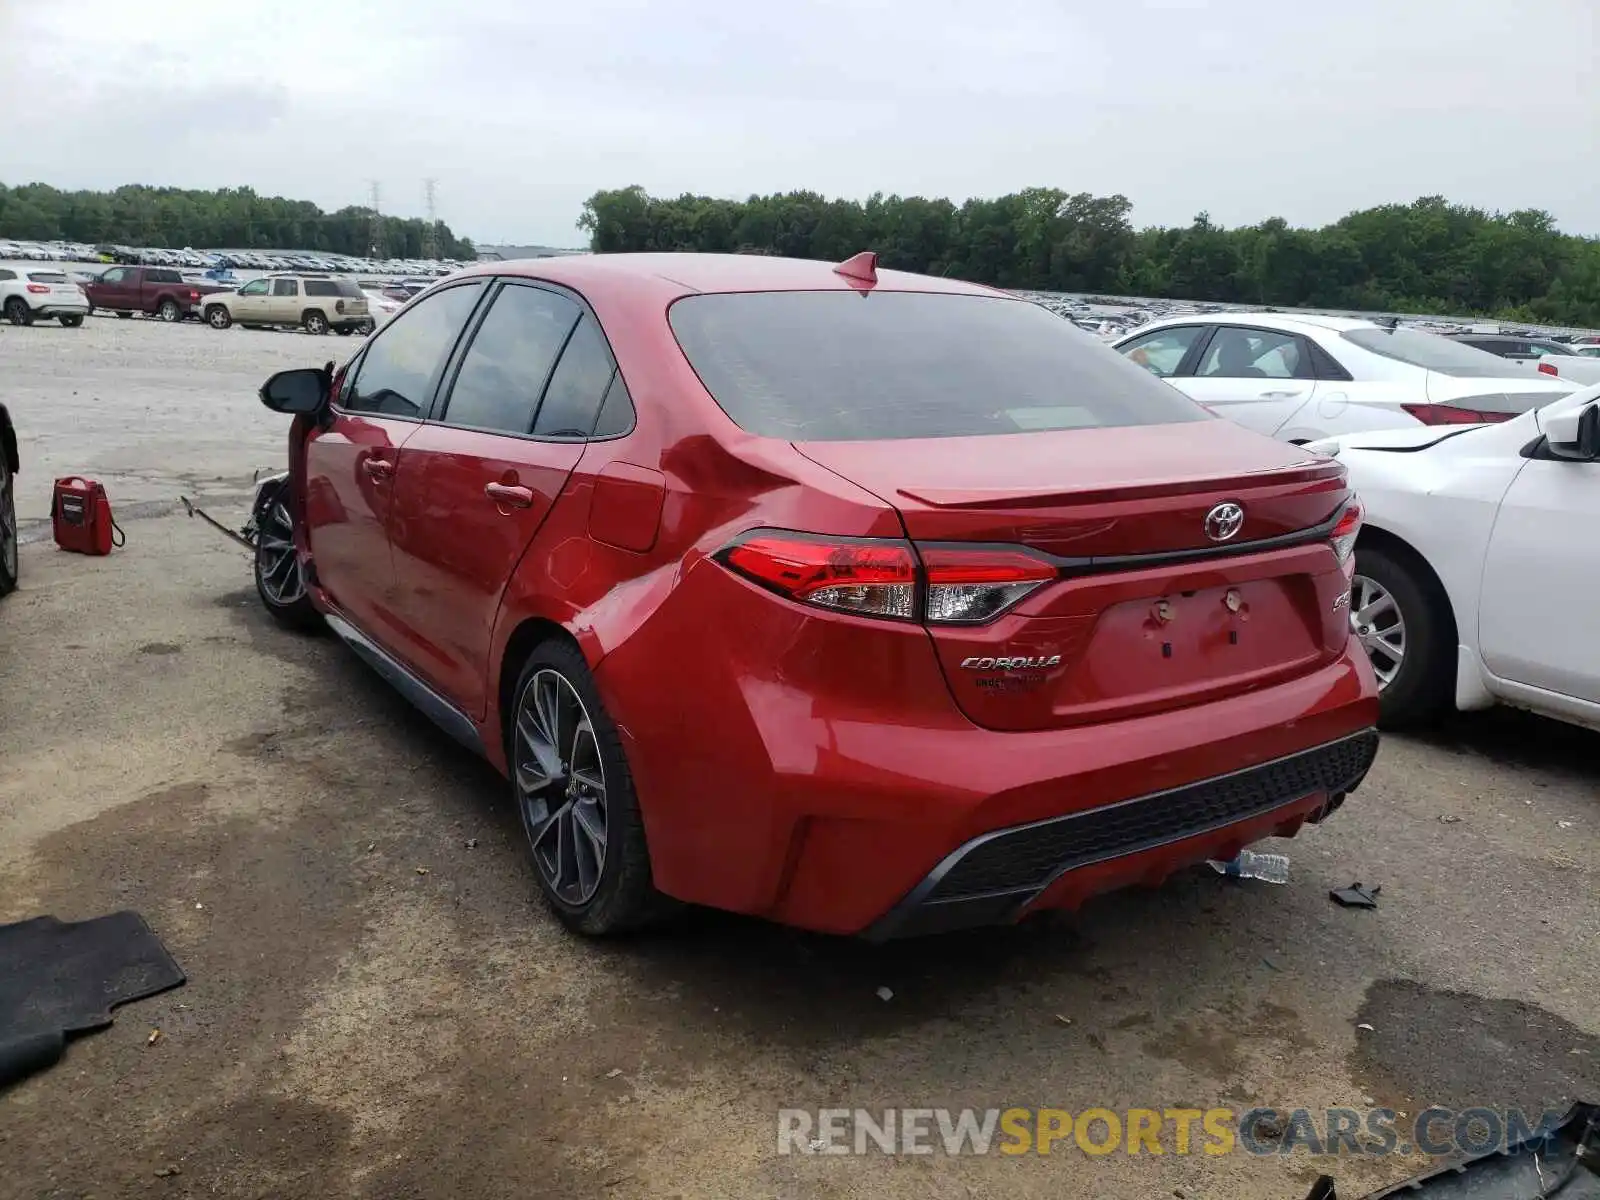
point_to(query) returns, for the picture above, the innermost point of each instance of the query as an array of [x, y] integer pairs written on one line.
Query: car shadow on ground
[[1513, 738]]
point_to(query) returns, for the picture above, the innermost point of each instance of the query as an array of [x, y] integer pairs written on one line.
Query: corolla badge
[[1012, 663], [1223, 521]]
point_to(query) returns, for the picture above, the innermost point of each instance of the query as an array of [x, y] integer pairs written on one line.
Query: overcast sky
[[522, 108]]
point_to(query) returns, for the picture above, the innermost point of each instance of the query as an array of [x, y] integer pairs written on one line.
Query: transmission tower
[[375, 231], [430, 202]]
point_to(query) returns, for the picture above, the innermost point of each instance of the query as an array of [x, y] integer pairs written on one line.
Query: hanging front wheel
[[280, 581]]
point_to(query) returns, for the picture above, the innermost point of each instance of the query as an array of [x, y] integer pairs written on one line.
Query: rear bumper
[[999, 876], [821, 772], [58, 309]]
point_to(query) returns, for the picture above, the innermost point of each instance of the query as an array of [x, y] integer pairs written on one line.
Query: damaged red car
[[858, 600]]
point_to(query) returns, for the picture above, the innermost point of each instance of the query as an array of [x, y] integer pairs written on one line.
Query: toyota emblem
[[1223, 521]]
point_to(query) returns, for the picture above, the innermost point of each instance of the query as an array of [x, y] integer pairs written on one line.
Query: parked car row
[[275, 260]]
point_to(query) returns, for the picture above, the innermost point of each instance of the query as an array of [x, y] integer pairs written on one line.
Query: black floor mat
[[58, 979]]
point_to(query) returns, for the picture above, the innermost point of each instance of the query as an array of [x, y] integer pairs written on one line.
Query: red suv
[[867, 602]]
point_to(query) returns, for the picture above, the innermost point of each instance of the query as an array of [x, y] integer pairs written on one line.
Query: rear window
[[47, 276], [839, 366], [1434, 353], [333, 287]]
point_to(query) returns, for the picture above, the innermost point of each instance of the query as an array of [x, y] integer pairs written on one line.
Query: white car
[[1477, 567], [1304, 377], [29, 296], [380, 307]]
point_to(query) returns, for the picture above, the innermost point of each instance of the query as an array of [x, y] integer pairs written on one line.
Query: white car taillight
[[1345, 531]]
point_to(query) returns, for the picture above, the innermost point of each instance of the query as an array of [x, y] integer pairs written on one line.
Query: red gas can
[[81, 515]]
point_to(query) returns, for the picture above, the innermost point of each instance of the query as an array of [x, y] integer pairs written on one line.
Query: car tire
[[315, 322], [70, 321], [218, 317], [280, 579], [369, 327], [124, 315], [8, 528], [18, 312], [567, 784], [1391, 592], [169, 311]]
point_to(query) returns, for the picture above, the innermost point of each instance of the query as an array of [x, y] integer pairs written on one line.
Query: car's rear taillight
[[1449, 414], [1549, 369], [194, 295], [870, 577], [970, 586], [39, 289], [882, 577], [1345, 531]]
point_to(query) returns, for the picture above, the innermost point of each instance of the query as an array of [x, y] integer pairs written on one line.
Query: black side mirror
[[302, 391]]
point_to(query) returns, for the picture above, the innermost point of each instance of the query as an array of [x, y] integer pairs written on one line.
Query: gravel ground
[[379, 1007]]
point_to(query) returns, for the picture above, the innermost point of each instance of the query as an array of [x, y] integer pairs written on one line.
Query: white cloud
[[522, 108]]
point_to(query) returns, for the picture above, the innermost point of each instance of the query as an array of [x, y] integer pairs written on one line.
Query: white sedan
[[1301, 376], [1478, 566]]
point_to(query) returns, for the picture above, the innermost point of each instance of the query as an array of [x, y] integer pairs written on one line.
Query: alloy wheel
[[561, 787], [277, 564], [1380, 626]]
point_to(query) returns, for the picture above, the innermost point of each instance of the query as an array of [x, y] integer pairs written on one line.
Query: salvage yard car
[[1478, 566], [29, 296], [868, 602], [1304, 376], [160, 292], [316, 303]]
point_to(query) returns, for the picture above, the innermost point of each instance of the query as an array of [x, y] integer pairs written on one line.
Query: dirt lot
[[379, 1007]]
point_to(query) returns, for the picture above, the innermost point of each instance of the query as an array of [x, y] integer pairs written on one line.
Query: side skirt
[[434, 706]]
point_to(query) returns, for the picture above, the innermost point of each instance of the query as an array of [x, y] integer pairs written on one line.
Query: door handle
[[1284, 395], [509, 495], [377, 468]]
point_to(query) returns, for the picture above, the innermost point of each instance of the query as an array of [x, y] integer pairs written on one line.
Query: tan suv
[[318, 303]]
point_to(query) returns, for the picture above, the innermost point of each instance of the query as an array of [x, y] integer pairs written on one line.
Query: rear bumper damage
[[999, 876]]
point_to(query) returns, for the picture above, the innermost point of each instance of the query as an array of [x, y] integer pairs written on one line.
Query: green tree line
[[1426, 257], [229, 218]]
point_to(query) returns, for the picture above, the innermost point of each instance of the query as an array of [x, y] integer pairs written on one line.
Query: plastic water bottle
[[1269, 868]]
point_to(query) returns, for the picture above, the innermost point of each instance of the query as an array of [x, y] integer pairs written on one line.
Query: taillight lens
[[39, 289], [968, 587], [1345, 531], [881, 577], [1449, 414], [873, 578], [1549, 369]]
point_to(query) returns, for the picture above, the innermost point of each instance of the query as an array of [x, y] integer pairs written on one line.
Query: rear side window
[[616, 412], [1434, 353], [506, 367], [402, 363], [6, 275], [347, 288], [285, 287], [572, 401], [841, 366], [321, 287]]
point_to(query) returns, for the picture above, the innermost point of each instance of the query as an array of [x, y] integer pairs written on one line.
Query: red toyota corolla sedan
[[859, 600]]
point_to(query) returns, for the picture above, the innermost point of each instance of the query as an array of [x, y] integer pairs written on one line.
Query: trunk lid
[[1148, 612]]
